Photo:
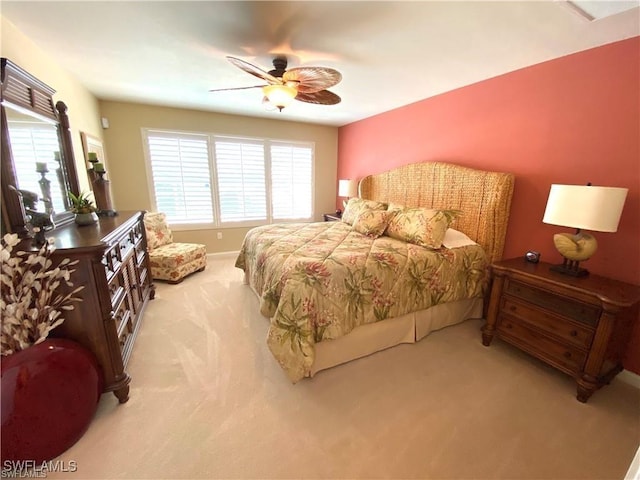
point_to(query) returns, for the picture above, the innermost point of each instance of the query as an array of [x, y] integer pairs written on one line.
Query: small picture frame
[[91, 144]]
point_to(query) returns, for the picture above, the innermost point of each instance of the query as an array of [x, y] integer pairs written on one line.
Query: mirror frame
[[25, 92]]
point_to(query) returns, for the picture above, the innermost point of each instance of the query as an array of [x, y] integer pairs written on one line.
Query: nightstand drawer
[[579, 335], [564, 357], [563, 306]]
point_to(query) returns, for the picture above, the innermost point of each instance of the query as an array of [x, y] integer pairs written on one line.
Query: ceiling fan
[[306, 84]]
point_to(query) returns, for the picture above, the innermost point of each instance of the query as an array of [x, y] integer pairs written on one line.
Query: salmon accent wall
[[571, 120]]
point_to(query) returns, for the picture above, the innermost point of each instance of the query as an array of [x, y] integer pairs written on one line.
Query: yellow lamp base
[[574, 248]]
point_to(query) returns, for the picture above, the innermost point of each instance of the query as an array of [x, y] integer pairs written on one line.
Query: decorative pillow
[[356, 205], [157, 230], [454, 239], [372, 223], [422, 226]]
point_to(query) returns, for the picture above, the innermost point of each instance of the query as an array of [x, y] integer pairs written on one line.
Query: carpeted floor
[[209, 401]]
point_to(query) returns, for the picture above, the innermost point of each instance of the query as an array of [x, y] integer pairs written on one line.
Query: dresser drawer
[[125, 245], [116, 288], [565, 357], [123, 318], [111, 261], [563, 306], [575, 333]]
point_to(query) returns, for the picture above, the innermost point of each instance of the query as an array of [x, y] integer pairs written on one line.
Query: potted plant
[[83, 207]]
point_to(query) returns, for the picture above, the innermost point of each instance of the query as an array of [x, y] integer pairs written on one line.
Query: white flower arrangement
[[30, 305]]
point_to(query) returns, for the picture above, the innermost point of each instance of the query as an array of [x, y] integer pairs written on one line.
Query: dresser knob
[[513, 308], [508, 325], [567, 354], [573, 333]]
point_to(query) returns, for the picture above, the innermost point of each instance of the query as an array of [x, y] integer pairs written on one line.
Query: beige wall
[[128, 175], [83, 106]]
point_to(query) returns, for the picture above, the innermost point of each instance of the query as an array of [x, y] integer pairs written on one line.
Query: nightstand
[[577, 325], [332, 217]]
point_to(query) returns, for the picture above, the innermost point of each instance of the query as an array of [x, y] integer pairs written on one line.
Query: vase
[[86, 218], [50, 393]]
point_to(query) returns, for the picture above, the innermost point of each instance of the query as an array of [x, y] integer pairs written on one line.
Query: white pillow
[[454, 239]]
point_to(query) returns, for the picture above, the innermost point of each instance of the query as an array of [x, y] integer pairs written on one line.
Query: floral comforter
[[318, 281]]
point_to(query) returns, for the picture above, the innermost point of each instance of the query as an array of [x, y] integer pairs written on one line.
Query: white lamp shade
[[585, 207], [347, 188]]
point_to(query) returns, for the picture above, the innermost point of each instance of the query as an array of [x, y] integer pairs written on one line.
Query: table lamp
[[582, 207], [347, 189]]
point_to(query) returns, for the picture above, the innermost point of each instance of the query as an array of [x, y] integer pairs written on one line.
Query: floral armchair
[[171, 261]]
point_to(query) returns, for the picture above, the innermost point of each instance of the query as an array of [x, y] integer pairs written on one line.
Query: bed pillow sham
[[372, 223], [357, 205], [421, 226]]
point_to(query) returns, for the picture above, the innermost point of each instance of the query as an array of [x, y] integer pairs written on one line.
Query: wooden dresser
[[578, 325], [114, 269]]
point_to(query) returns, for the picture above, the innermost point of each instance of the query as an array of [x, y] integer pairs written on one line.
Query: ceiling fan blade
[[312, 79], [323, 97], [253, 70], [235, 88]]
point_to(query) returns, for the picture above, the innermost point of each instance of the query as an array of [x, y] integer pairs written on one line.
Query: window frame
[[213, 175]]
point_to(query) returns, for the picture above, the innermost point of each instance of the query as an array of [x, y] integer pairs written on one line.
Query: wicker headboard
[[483, 197]]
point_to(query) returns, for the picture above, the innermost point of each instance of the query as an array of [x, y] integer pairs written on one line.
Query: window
[[214, 180], [181, 180], [291, 173], [240, 167]]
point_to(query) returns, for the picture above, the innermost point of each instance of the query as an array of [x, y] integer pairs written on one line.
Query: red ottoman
[[50, 393]]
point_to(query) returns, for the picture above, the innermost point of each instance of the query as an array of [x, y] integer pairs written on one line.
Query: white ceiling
[[389, 53]]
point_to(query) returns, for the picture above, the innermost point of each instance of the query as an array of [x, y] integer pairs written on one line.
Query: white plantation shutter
[[291, 181], [240, 166], [239, 181], [31, 143], [181, 177]]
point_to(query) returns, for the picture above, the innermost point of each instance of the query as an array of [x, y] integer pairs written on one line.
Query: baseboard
[[634, 469], [631, 378], [224, 254]]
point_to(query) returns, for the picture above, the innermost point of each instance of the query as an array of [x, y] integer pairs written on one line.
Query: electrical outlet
[[219, 235]]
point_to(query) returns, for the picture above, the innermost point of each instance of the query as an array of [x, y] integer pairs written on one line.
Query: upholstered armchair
[[171, 261]]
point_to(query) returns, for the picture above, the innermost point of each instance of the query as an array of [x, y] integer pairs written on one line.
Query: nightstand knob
[[567, 354], [573, 333], [513, 308]]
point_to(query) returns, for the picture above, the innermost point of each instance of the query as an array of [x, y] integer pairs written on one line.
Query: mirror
[[38, 168], [37, 162]]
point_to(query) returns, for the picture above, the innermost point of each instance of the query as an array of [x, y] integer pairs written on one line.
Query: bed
[[334, 294]]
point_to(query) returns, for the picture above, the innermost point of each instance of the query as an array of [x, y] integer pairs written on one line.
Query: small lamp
[[582, 207], [280, 95], [347, 189]]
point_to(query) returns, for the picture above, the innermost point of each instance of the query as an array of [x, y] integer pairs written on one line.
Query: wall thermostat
[[531, 256]]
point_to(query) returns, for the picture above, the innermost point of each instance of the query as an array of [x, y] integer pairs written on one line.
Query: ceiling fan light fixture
[[280, 95]]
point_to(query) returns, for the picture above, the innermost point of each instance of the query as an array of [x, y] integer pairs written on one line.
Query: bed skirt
[[367, 339]]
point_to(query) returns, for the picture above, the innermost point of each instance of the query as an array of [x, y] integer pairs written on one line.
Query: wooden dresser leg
[[583, 394], [122, 394], [586, 386]]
